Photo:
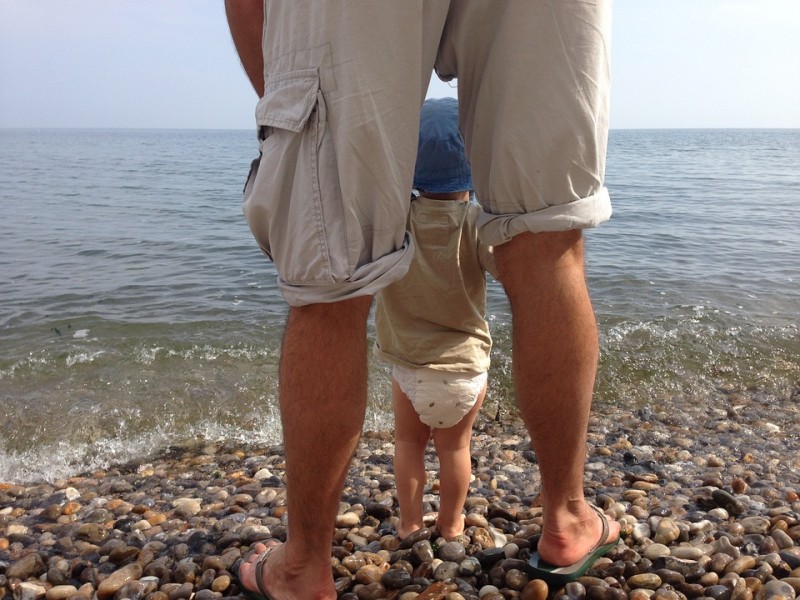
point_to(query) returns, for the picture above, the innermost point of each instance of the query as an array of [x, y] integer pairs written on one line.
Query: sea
[[137, 313]]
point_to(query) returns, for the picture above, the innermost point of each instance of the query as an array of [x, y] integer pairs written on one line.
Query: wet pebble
[[724, 527], [777, 590], [452, 552], [116, 580], [649, 581]]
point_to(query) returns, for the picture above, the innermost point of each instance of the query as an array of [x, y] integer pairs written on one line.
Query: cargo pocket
[[292, 199]]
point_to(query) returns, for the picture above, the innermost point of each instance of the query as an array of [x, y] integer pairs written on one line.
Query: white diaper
[[441, 398]]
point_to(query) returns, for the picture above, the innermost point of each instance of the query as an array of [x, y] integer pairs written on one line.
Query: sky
[[171, 64]]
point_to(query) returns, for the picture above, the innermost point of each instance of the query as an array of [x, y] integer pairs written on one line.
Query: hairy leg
[[555, 348], [411, 440], [322, 417], [455, 466]]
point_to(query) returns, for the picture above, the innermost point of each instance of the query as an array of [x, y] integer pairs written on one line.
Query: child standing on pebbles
[[431, 326]]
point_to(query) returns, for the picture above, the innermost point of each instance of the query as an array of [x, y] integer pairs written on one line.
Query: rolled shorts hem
[[585, 213], [367, 280]]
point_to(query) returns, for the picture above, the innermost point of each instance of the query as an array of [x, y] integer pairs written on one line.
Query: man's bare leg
[[323, 382], [555, 351]]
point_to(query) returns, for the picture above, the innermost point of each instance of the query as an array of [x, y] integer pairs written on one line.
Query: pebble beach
[[707, 491]]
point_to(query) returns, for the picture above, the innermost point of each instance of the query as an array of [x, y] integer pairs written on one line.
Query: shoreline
[[708, 494]]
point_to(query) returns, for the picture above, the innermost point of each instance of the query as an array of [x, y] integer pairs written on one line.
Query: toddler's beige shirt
[[435, 315]]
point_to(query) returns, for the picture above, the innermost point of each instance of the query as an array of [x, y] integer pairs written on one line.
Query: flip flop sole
[[556, 577]]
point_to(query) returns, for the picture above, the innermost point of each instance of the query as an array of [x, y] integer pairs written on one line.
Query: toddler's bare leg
[[411, 439], [455, 465]]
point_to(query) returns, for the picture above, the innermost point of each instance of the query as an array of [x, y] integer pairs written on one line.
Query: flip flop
[[259, 568], [556, 577]]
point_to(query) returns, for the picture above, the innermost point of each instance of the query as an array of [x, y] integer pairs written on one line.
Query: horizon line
[[118, 128]]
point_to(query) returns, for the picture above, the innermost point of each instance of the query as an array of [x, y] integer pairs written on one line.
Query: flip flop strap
[[262, 560], [604, 533]]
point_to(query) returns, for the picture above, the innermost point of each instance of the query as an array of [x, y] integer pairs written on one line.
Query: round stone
[[755, 525], [347, 520], [368, 574], [536, 589], [114, 582], [452, 552], [649, 581], [666, 532], [446, 570], [778, 590], [516, 579], [686, 552], [396, 579], [423, 551], [61, 592], [469, 567], [738, 565], [656, 551], [718, 592], [94, 533]]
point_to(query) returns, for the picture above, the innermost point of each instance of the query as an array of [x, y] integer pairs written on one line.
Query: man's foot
[[563, 546], [250, 571], [264, 575]]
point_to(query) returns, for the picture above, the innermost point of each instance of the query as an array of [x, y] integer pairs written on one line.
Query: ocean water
[[137, 313]]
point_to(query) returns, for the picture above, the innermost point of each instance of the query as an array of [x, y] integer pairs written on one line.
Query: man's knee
[[330, 315], [530, 255]]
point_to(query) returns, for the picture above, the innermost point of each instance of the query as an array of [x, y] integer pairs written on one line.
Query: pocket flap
[[288, 100]]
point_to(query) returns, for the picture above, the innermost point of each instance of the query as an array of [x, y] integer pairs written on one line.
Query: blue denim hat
[[442, 164]]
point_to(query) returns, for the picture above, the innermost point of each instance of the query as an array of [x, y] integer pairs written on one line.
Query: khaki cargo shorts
[[344, 81]]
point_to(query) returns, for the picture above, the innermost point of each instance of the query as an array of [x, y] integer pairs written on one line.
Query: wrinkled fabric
[[344, 82]]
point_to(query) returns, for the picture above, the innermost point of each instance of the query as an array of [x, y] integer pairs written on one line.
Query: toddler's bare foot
[[449, 532], [404, 530]]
